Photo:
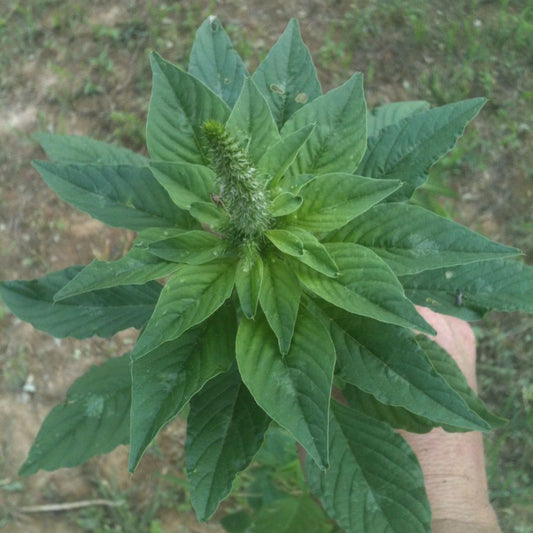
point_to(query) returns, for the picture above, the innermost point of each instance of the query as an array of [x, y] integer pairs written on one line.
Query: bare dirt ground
[[72, 74]]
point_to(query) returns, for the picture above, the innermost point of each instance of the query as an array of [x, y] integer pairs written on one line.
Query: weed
[[102, 62], [504, 375], [494, 57], [333, 50], [109, 33], [253, 208]]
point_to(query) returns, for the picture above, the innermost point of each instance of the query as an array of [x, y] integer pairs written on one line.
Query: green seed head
[[241, 193]]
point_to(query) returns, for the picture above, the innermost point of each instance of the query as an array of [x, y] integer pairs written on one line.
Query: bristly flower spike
[[241, 193]]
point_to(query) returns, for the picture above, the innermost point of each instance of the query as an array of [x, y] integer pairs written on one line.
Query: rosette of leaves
[[277, 253]]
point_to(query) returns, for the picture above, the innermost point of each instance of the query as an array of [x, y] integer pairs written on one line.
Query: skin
[[454, 463]]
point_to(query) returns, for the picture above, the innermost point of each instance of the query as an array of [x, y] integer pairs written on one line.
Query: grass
[[80, 67], [505, 378]]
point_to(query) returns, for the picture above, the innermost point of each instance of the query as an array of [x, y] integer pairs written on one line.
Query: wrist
[[456, 483], [454, 463]]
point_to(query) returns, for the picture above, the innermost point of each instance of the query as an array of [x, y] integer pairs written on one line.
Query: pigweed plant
[[278, 256]]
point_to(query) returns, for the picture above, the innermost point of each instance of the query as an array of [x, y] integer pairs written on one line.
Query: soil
[[47, 89]]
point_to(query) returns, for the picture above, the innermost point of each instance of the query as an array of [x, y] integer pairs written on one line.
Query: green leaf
[[280, 298], [287, 77], [365, 286], [214, 61], [405, 151], [385, 361], [77, 149], [397, 417], [137, 267], [101, 313], [237, 522], [294, 183], [209, 215], [225, 428], [411, 239], [446, 366], [401, 418], [469, 291], [119, 195], [332, 200], [287, 242], [374, 482], [191, 247], [185, 183], [191, 294], [248, 282], [296, 514], [338, 141], [392, 113], [305, 247], [278, 452], [179, 106], [293, 389], [166, 379], [285, 204], [252, 123], [94, 419], [278, 157]]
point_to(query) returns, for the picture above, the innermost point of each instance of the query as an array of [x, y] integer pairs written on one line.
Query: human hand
[[454, 463]]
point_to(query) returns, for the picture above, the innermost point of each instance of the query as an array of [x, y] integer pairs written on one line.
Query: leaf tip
[[37, 164], [133, 462], [26, 470], [283, 350], [213, 23], [293, 22], [155, 61], [427, 329]]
